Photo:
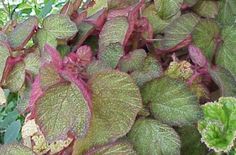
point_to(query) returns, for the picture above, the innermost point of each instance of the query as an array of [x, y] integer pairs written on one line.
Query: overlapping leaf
[[226, 55], [15, 149], [171, 101], [61, 109], [205, 35], [152, 137], [227, 12], [23, 32], [178, 31], [116, 102], [208, 9], [4, 54]]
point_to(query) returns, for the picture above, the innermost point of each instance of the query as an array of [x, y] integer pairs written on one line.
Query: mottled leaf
[[226, 55], [171, 101], [152, 137], [116, 103], [22, 33], [167, 8], [4, 54], [96, 67], [114, 31], [132, 61], [62, 108], [16, 77], [112, 54], [60, 26], [99, 5], [151, 69], [32, 62], [204, 37], [178, 30], [218, 127]]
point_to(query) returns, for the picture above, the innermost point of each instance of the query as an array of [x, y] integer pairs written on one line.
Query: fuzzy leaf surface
[[171, 101], [152, 137]]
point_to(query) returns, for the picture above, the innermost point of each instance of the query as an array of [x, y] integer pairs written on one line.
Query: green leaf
[[157, 23], [32, 62], [208, 9], [61, 109], [171, 101], [16, 78], [218, 127], [167, 8], [60, 26], [11, 117], [4, 54], [225, 81], [112, 54], [48, 76], [99, 5], [227, 12], [15, 149], [204, 36], [132, 61], [191, 141], [177, 31], [116, 103], [46, 9], [3, 37], [23, 32], [152, 137], [64, 50], [190, 3], [114, 31], [226, 55], [96, 67], [12, 132], [151, 69], [116, 148], [43, 37]]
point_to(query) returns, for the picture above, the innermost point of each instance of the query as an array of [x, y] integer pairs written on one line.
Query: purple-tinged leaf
[[112, 92], [22, 33], [114, 31], [196, 56], [62, 108], [60, 26], [4, 54]]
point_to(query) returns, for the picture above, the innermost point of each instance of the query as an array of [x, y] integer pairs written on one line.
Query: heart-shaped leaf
[[60, 26], [116, 103], [112, 54], [178, 30], [116, 148], [152, 137], [114, 31], [62, 108], [167, 8], [171, 101], [15, 149], [23, 32], [218, 127], [4, 54], [226, 55], [204, 37]]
